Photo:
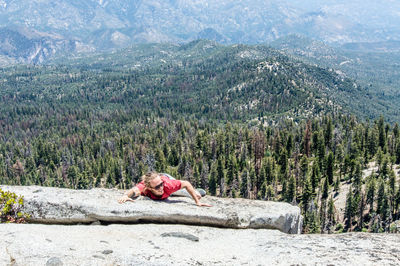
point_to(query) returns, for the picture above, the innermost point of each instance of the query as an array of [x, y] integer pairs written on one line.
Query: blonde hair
[[148, 177]]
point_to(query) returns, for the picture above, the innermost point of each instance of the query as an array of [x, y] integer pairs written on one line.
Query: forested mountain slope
[[240, 121], [374, 65], [201, 78]]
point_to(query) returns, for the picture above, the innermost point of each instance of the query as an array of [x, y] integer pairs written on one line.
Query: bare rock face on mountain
[[32, 47], [65, 206]]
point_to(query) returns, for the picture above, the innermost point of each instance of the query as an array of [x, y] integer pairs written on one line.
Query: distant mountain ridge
[[203, 79], [373, 64], [110, 24]]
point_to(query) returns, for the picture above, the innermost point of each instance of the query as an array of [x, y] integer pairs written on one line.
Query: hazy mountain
[[375, 65], [105, 24], [236, 81], [384, 46], [27, 46]]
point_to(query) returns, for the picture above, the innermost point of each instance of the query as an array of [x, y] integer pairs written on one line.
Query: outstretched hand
[[124, 199], [200, 204]]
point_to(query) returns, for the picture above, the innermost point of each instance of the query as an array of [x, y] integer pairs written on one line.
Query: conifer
[[330, 164], [212, 182], [349, 210], [244, 185], [371, 194], [291, 190]]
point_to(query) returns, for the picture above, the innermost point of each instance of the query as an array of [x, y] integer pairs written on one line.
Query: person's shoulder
[[141, 183], [140, 186], [170, 183]]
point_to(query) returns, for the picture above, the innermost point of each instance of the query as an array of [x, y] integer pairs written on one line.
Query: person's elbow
[[185, 184]]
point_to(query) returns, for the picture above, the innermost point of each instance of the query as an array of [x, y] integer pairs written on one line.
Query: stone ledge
[[50, 205]]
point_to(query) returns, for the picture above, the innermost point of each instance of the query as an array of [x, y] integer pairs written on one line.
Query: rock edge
[[50, 205]]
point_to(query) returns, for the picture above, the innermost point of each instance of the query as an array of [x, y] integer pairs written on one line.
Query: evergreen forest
[[238, 121]]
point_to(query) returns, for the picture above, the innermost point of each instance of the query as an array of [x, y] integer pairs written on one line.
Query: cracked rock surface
[[65, 206], [155, 244]]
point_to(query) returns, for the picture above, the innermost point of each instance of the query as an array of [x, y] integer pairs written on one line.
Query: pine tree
[[357, 176], [311, 219], [220, 176], [244, 190], [291, 190], [382, 134], [330, 163], [336, 188], [307, 139], [385, 211], [315, 176], [252, 176], [392, 183], [262, 192], [331, 213], [358, 199], [182, 166], [303, 170], [398, 153], [321, 151], [283, 161], [379, 158], [323, 215], [230, 174], [384, 168], [269, 170], [361, 208], [306, 197], [161, 162], [196, 175], [173, 157], [328, 133], [396, 131], [270, 193], [73, 175], [289, 144], [381, 198], [83, 181], [396, 206], [110, 180], [325, 189], [349, 210], [372, 142], [371, 194], [212, 181]]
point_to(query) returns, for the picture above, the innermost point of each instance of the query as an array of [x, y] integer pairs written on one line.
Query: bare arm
[[133, 192], [192, 192]]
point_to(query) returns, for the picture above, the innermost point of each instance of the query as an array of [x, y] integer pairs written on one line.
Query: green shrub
[[394, 227], [339, 228], [10, 208]]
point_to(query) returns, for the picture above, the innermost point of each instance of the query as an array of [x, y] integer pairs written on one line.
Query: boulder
[[161, 244], [50, 205]]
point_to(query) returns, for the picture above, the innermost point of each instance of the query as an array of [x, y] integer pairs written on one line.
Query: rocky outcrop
[[64, 206], [185, 241], [33, 47], [152, 244]]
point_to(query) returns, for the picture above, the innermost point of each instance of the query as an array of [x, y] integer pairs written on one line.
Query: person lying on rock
[[160, 186]]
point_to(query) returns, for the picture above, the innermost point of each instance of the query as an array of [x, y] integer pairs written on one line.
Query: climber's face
[[157, 186]]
